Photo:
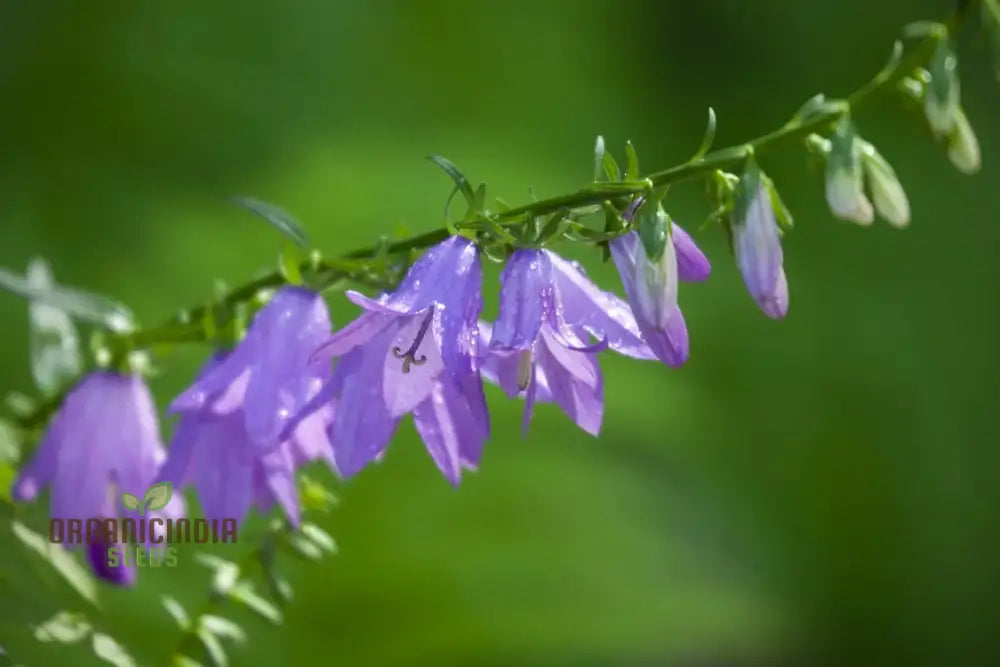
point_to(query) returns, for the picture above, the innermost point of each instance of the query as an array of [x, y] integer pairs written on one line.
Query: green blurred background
[[820, 490]]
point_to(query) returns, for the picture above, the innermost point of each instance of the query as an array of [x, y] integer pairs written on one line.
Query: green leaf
[[319, 537], [110, 651], [180, 660], [226, 572], [277, 218], [553, 227], [781, 212], [176, 610], [991, 23], [651, 222], [315, 497], [304, 547], [478, 204], [278, 586], [610, 167], [288, 264], [63, 628], [632, 164], [216, 653], [78, 303], [222, 628], [52, 339], [130, 502], [75, 574], [243, 592], [158, 495], [461, 182], [708, 138], [598, 157]]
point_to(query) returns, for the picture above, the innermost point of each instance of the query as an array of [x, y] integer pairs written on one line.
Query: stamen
[[524, 369], [410, 356]]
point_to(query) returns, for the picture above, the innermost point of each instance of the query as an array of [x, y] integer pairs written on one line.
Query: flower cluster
[[294, 390], [274, 402]]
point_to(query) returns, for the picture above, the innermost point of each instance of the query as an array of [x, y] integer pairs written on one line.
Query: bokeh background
[[820, 490]]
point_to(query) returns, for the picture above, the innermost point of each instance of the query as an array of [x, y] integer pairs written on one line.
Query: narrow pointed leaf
[[708, 138], [87, 306], [461, 182], [63, 628], [598, 157], [110, 651], [176, 610], [243, 592], [213, 647], [276, 217], [53, 341], [222, 628], [632, 164], [68, 567], [319, 537]]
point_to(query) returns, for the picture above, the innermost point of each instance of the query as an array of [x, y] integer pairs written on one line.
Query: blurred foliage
[[819, 490]]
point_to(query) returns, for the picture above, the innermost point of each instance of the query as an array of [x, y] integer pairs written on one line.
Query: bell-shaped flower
[[271, 360], [413, 350], [212, 449], [651, 287], [103, 441], [536, 335], [576, 383], [887, 192], [757, 246], [963, 146], [692, 264]]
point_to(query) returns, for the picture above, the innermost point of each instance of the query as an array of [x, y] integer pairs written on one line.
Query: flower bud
[[963, 147], [757, 246], [941, 99], [844, 186], [887, 192]]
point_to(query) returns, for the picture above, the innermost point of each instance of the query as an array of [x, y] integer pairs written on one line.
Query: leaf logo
[[156, 498]]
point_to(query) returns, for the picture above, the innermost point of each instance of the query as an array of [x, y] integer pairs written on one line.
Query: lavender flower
[[212, 449], [757, 246], [102, 442], [273, 357], [414, 351], [651, 288], [580, 395], [547, 306]]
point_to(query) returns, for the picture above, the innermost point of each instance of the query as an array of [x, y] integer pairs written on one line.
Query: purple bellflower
[[272, 356], [103, 441], [414, 350], [757, 246], [219, 446], [538, 346], [651, 286]]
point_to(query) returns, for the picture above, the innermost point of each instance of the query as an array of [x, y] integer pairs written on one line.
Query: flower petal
[[603, 314], [692, 264], [364, 425], [449, 430], [526, 295], [581, 399], [411, 366], [358, 332], [290, 327]]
